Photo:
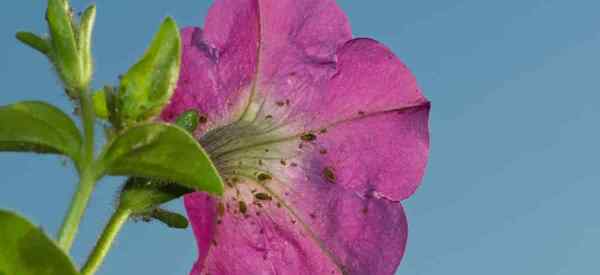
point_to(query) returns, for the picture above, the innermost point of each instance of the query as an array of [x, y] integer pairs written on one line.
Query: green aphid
[[329, 175]]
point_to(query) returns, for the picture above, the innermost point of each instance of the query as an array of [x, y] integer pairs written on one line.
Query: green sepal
[[149, 84], [34, 126], [34, 41], [26, 250], [141, 195], [84, 44], [162, 151], [64, 45]]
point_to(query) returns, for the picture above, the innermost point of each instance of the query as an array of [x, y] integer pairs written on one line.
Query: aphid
[[365, 210], [308, 137], [262, 197], [280, 103], [243, 207], [323, 151], [220, 209], [264, 177], [361, 113], [323, 131], [269, 117], [329, 175], [202, 119], [283, 162], [313, 216]]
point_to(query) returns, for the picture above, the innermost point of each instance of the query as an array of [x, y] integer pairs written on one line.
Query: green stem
[[87, 175], [102, 247], [73, 218]]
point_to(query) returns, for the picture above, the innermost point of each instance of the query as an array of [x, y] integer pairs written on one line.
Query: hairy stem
[[87, 176], [102, 247]]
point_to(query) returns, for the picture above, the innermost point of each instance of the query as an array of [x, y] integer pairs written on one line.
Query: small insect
[[262, 197], [243, 207], [280, 103], [264, 177], [308, 137], [329, 175], [323, 151], [220, 209]]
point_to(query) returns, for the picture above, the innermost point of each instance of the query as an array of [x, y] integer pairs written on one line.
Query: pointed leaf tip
[[34, 41]]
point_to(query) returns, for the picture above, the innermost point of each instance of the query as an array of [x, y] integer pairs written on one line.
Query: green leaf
[[64, 47], [26, 250], [164, 152], [33, 126], [85, 42], [34, 41], [149, 84]]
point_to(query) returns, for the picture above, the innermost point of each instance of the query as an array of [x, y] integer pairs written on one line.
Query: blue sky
[[512, 184]]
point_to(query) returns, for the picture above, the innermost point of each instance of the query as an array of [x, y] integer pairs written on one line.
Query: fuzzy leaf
[[165, 152], [33, 126], [149, 84]]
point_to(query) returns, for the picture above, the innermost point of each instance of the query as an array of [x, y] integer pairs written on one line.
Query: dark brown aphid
[[264, 177], [283, 162], [220, 209], [361, 113], [308, 137], [243, 207], [269, 117], [280, 103], [313, 216], [323, 131], [323, 151], [329, 175], [262, 197], [202, 119]]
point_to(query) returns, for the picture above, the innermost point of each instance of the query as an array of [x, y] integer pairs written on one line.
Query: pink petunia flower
[[318, 136]]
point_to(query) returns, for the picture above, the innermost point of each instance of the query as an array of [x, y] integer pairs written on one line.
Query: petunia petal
[[219, 64], [249, 41], [384, 154], [307, 229], [365, 78]]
